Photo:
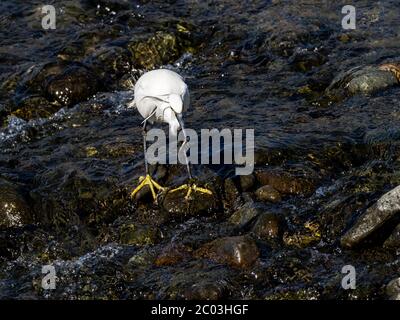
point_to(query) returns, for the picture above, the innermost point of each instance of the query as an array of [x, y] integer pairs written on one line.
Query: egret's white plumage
[[161, 96]]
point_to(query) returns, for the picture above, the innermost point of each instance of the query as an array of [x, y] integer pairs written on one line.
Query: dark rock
[[74, 84], [196, 281], [232, 198], [286, 183], [373, 218], [304, 60], [63, 82], [14, 208], [206, 290], [267, 227], [394, 239], [240, 251], [245, 214], [247, 182], [268, 194]]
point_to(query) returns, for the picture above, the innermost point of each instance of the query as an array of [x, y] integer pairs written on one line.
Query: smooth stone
[[238, 251], [267, 227], [247, 182], [373, 218], [268, 194], [371, 81], [245, 214]]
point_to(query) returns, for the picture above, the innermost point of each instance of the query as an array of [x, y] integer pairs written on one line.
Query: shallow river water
[[71, 149]]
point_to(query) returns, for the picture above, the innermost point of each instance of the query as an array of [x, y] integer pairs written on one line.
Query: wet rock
[[394, 239], [74, 84], [63, 82], [196, 280], [239, 251], [206, 290], [247, 182], [286, 183], [139, 235], [172, 254], [393, 289], [373, 219], [245, 214], [14, 208], [268, 194], [304, 60], [199, 203], [267, 227], [232, 198], [362, 80]]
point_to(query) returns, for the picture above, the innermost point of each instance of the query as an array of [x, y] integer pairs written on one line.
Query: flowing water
[[68, 161]]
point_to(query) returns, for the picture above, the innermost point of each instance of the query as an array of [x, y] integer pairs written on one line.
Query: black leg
[[144, 146]]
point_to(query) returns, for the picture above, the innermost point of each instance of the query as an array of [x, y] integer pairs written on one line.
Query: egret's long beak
[[180, 121]]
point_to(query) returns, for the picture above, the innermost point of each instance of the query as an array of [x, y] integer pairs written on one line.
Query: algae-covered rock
[[159, 49], [139, 235]]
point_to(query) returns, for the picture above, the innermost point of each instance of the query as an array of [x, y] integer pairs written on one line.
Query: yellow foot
[[191, 188], [147, 180]]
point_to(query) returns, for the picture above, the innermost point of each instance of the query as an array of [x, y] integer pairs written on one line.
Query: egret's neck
[[171, 118]]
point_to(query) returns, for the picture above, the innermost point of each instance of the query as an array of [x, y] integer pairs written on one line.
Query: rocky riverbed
[[325, 109]]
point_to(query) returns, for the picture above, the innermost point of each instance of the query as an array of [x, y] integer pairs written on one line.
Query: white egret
[[162, 96]]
